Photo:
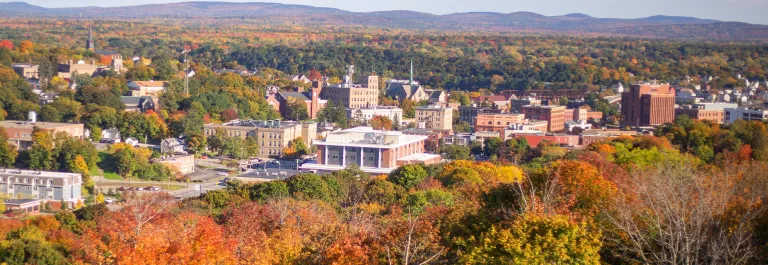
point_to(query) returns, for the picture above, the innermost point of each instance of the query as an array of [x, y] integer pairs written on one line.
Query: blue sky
[[751, 11]]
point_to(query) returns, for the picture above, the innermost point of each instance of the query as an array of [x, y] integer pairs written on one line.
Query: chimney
[[70, 62]]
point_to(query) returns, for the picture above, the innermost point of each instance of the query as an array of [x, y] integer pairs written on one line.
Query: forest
[[692, 194]]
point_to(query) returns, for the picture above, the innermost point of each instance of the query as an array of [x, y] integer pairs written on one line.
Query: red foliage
[[7, 44], [229, 114]]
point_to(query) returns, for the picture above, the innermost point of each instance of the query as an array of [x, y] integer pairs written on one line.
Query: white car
[[109, 200], [222, 174]]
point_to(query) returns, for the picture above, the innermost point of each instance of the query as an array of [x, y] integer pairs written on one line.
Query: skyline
[[749, 11]]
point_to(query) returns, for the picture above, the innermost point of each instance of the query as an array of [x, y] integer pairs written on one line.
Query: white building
[[750, 114], [375, 151], [43, 185], [570, 125], [366, 114], [147, 88]]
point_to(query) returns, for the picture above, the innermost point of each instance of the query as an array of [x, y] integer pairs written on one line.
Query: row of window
[[27, 180], [35, 188]]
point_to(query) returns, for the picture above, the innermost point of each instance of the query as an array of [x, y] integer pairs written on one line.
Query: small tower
[[89, 46]]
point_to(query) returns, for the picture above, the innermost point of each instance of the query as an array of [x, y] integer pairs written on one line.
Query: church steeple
[[411, 83], [89, 45]]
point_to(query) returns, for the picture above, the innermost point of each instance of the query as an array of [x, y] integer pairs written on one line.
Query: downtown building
[[648, 104], [272, 135], [374, 151]]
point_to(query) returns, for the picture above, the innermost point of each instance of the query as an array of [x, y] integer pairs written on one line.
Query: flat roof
[[42, 125], [33, 173], [419, 157]]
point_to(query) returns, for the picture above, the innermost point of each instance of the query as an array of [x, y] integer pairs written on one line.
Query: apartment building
[[750, 114], [435, 118], [43, 185]]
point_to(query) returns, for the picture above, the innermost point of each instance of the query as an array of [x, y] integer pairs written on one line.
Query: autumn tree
[[381, 123], [8, 152]]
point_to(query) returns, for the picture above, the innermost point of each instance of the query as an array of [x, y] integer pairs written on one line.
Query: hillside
[[575, 24]]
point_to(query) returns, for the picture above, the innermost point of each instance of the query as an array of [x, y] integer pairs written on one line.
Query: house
[[112, 134], [272, 97], [301, 78], [439, 97], [172, 146], [147, 88], [139, 104], [132, 141], [48, 97]]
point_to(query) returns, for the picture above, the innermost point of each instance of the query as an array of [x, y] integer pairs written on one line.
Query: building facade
[[27, 71], [468, 114], [648, 105], [374, 151], [749, 114], [20, 132], [435, 118], [147, 88], [43, 185], [554, 115], [497, 122], [66, 70], [395, 114], [273, 135], [116, 62]]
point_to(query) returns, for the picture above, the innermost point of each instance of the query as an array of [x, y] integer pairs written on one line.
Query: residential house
[[147, 88]]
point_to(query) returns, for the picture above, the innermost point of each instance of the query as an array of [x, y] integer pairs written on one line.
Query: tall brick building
[[648, 105], [554, 115]]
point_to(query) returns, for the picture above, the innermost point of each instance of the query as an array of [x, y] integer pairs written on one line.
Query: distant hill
[[655, 26]]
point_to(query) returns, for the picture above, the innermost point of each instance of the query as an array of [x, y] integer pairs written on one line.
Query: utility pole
[[186, 73]]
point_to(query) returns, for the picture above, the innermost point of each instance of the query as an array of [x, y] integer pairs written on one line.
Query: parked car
[[121, 188], [152, 188], [222, 174], [204, 157], [109, 200]]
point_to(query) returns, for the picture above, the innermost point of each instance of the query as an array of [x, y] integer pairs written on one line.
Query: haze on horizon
[[750, 11]]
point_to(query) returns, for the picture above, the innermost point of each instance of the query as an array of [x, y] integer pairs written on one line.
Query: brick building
[[497, 122], [648, 105], [554, 115]]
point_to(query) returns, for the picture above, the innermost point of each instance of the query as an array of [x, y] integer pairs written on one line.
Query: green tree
[[408, 176], [456, 152], [28, 251], [296, 110], [308, 186], [533, 239], [8, 152]]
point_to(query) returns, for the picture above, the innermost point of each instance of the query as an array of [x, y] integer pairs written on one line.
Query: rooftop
[[150, 83], [21, 201], [259, 123], [33, 173], [367, 136], [41, 125], [25, 65]]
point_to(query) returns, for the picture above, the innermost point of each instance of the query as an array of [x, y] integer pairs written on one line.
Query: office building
[[554, 115], [273, 135], [714, 112], [749, 114], [374, 151], [648, 104]]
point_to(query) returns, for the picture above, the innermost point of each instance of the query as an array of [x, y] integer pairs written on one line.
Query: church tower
[[89, 45]]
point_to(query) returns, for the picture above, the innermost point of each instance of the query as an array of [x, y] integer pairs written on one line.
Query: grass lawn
[[105, 168]]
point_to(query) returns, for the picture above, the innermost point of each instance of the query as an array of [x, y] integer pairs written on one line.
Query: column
[[361, 156], [343, 155], [379, 163], [325, 161]]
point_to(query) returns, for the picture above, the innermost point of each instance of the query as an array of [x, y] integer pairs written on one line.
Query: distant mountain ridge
[[654, 26]]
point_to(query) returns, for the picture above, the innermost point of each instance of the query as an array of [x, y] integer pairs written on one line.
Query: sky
[[750, 11]]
